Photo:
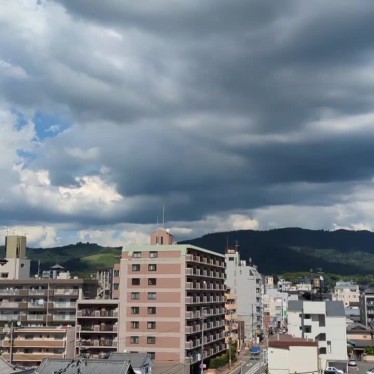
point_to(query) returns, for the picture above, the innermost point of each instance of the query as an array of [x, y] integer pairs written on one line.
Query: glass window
[[151, 295], [152, 355], [135, 295], [136, 267], [153, 254], [151, 340], [134, 324], [137, 254], [135, 310], [134, 339], [152, 267], [151, 325], [135, 281], [151, 310], [152, 281]]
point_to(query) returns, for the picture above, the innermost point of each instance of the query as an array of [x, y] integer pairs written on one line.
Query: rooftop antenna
[[163, 216]]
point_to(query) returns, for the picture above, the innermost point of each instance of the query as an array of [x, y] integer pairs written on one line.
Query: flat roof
[[44, 281], [169, 247]]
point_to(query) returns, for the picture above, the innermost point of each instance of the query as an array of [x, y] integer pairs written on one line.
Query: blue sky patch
[[49, 126]]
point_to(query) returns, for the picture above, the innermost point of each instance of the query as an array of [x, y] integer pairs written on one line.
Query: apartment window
[[134, 339], [137, 254], [152, 355], [4, 275], [152, 281], [135, 295], [136, 267], [116, 273], [115, 286], [134, 324], [307, 328], [151, 310], [135, 281], [135, 310], [329, 347], [152, 267], [151, 295], [151, 325], [151, 340], [153, 254]]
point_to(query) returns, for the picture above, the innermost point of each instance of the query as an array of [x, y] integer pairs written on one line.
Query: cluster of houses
[[312, 327]]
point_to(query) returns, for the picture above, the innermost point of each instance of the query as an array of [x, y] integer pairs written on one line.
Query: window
[[137, 254], [151, 340], [307, 328], [134, 339], [135, 281], [135, 310], [151, 310], [116, 286], [152, 267], [134, 324], [152, 355], [153, 254], [135, 295], [151, 295], [152, 281], [116, 273], [4, 275], [151, 325], [136, 267]]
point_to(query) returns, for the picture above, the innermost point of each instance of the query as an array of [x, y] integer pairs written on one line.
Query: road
[[251, 365]]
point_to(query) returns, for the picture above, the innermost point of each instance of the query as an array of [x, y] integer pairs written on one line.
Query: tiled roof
[[65, 366], [137, 360]]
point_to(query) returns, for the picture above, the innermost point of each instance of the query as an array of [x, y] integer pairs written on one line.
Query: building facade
[[244, 280], [323, 321], [367, 307], [172, 302], [43, 302], [28, 346], [97, 328], [347, 292]]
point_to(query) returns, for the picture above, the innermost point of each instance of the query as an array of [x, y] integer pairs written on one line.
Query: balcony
[[37, 343], [7, 292], [192, 329], [36, 305], [66, 292], [35, 317], [63, 317], [6, 305], [31, 357], [59, 305]]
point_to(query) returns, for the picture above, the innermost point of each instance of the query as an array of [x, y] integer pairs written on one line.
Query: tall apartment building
[[323, 321], [97, 328], [244, 280], [234, 327], [172, 300], [17, 265], [28, 346]]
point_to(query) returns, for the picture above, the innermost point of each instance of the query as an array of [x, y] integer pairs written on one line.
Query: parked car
[[370, 371], [352, 363], [334, 370]]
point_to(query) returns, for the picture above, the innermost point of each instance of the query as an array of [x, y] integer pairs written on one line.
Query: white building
[[275, 307], [244, 280], [323, 321], [347, 292], [290, 355]]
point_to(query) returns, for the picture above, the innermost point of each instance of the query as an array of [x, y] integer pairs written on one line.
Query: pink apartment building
[[170, 296]]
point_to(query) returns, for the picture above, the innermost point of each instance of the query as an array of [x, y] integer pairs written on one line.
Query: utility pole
[[12, 339]]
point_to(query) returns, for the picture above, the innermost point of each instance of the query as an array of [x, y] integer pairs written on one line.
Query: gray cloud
[[213, 108]]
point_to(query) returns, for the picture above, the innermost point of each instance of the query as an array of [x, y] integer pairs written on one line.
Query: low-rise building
[[140, 362], [347, 292], [28, 346], [323, 321], [292, 355]]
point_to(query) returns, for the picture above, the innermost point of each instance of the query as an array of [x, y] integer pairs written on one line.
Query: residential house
[[140, 362], [359, 337], [323, 321]]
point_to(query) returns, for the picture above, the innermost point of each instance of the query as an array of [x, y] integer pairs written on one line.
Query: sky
[[229, 114]]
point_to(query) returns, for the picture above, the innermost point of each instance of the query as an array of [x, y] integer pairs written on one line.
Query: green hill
[[296, 250], [274, 251]]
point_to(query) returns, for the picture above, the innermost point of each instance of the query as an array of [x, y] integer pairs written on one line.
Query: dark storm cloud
[[210, 107]]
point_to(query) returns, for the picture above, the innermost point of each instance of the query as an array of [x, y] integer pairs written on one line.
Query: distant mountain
[[296, 250], [276, 251], [80, 258]]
